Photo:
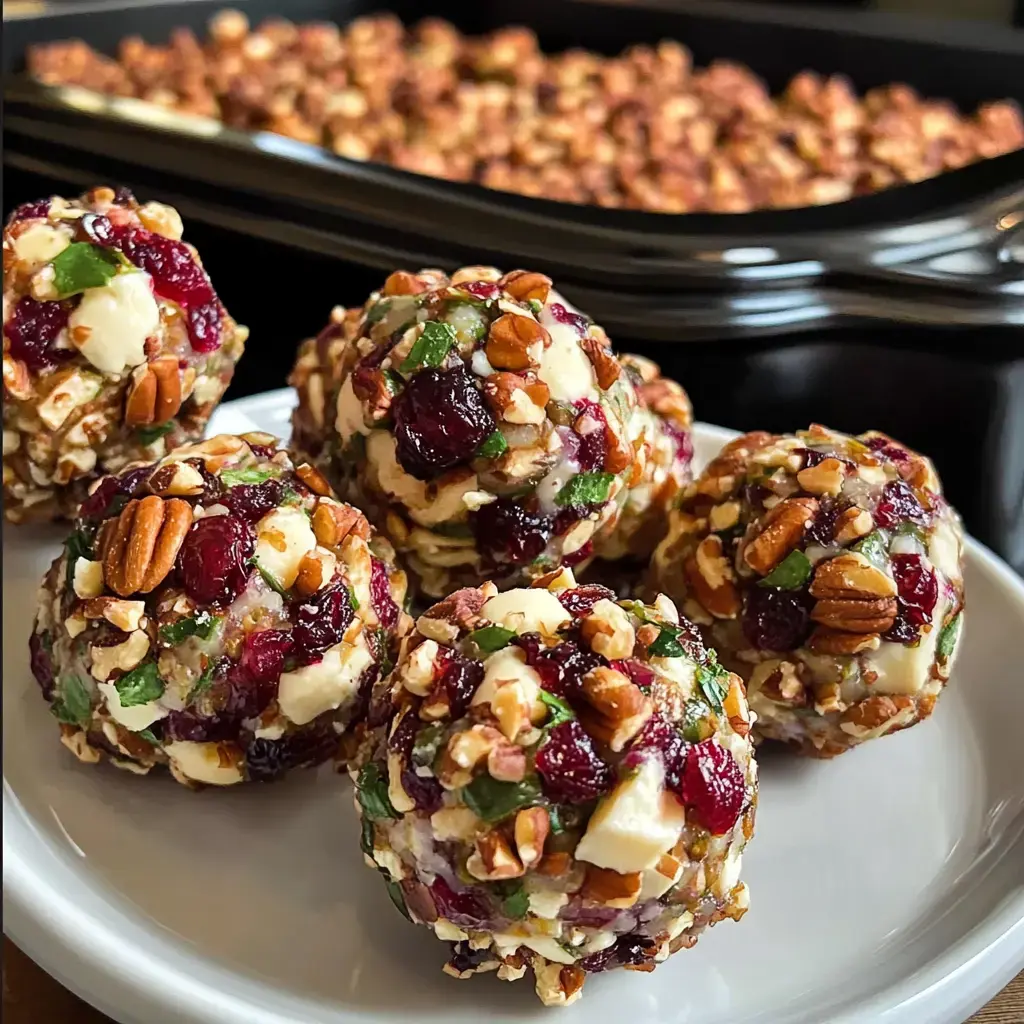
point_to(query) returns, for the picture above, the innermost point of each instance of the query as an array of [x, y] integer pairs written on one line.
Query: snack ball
[[116, 347], [828, 571], [218, 612], [561, 782], [488, 428]]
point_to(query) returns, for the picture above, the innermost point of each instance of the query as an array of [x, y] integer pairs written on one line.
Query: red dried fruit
[[190, 726], [320, 621], [425, 792], [30, 211], [822, 530], [571, 772], [713, 786], [580, 600], [641, 674], [440, 420], [253, 501], [630, 949], [101, 503], [263, 654], [899, 504], [508, 533], [460, 680], [561, 668], [684, 442], [40, 662], [483, 290], [918, 590], [214, 559], [776, 620], [468, 908], [592, 430], [380, 595], [33, 330], [576, 321], [662, 737], [579, 555]]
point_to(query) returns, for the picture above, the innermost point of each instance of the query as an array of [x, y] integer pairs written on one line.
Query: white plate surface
[[887, 886]]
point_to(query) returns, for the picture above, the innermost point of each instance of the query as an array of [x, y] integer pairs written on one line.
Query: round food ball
[[116, 347], [218, 612], [489, 430], [828, 571], [563, 782]]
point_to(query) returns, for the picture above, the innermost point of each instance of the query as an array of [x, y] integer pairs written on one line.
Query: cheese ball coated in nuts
[[561, 781], [489, 430], [828, 571], [115, 345], [218, 612]]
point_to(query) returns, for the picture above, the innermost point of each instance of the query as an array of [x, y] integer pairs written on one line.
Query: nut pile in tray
[[645, 130], [550, 774]]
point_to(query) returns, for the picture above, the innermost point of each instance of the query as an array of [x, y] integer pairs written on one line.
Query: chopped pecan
[[401, 282], [611, 889], [125, 615], [139, 548], [524, 285], [620, 708], [493, 859], [532, 827], [668, 399], [517, 398], [314, 480], [155, 393], [783, 686], [851, 576], [315, 569], [371, 387], [735, 706], [509, 341], [177, 480], [855, 615], [778, 533], [851, 524], [555, 864], [570, 980], [608, 630], [831, 641], [710, 577], [825, 478], [461, 608], [333, 521], [607, 369], [873, 712]]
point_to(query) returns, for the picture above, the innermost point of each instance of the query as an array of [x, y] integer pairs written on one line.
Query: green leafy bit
[[555, 819], [372, 793], [912, 530], [234, 477], [366, 837], [353, 600], [949, 635], [392, 381], [875, 548], [791, 573], [666, 643], [492, 800], [149, 736], [493, 446], [378, 311], [291, 497], [430, 347], [269, 578], [515, 901], [491, 638], [150, 435], [77, 546], [696, 725], [713, 682], [585, 489], [395, 893], [560, 710], [74, 705], [427, 743], [202, 625], [203, 683], [536, 306], [82, 265], [139, 686]]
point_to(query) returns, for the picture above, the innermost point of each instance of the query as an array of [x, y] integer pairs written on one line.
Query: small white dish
[[887, 885]]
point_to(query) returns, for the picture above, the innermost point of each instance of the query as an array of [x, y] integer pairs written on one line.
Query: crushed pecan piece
[[155, 393], [509, 340], [779, 533]]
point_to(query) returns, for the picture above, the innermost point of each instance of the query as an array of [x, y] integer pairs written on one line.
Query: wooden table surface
[[30, 996]]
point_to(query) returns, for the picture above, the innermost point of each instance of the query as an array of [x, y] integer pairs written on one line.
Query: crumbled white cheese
[[201, 762], [88, 578], [283, 536], [116, 319], [527, 610], [136, 718], [324, 686]]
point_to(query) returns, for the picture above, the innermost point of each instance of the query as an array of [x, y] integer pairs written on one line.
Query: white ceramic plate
[[886, 886]]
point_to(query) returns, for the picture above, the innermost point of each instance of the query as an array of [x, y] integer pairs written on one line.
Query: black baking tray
[[943, 251]]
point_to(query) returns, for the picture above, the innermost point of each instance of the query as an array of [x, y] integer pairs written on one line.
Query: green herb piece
[[493, 446], [395, 893], [353, 600], [372, 793], [269, 578], [392, 381], [74, 705], [468, 321], [203, 625], [555, 819], [560, 710], [203, 683], [378, 311], [791, 573], [430, 347], [291, 497], [366, 837], [515, 902], [149, 736], [912, 530], [150, 435], [82, 265], [234, 477], [77, 546], [585, 489], [536, 306], [427, 743], [666, 643], [696, 724], [139, 686], [463, 530], [949, 635], [712, 681], [492, 800], [491, 638], [875, 548]]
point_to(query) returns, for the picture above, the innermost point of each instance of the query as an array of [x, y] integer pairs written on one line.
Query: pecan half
[[856, 616], [851, 524], [401, 282], [851, 576], [139, 549], [620, 708], [155, 393], [710, 576], [509, 340], [607, 368], [831, 641], [779, 533], [873, 712], [526, 284], [334, 521], [314, 480]]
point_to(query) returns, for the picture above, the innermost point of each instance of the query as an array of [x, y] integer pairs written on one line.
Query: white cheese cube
[[527, 610], [134, 719], [117, 319], [201, 763], [331, 682], [283, 536], [88, 578]]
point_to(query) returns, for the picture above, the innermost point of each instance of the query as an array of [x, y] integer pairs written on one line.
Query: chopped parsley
[[203, 683], [269, 578], [427, 743], [514, 899], [77, 546], [713, 681], [139, 686], [491, 800], [585, 489], [493, 446], [392, 381], [234, 477], [491, 638], [875, 548], [378, 311], [74, 705], [149, 736], [150, 435], [202, 625], [83, 265], [560, 710], [372, 793], [949, 636], [667, 644], [395, 894], [431, 347], [791, 573]]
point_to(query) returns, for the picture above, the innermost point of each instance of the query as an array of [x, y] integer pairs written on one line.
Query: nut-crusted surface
[[216, 632], [640, 130], [488, 434], [115, 348], [827, 571], [596, 854]]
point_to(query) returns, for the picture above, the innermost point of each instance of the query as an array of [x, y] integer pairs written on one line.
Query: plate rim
[[91, 957]]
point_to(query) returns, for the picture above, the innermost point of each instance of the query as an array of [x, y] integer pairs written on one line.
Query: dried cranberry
[[214, 559], [95, 228], [113, 493], [713, 786], [380, 595], [39, 646], [481, 289], [30, 211], [570, 770], [440, 420], [253, 501], [569, 517], [629, 949], [661, 736], [507, 532], [267, 760], [204, 326], [918, 588], [321, 620], [253, 681], [641, 674], [561, 668], [902, 631], [684, 442], [460, 680], [776, 620], [195, 728], [890, 449], [32, 331], [576, 321], [899, 504], [464, 959], [468, 908], [592, 429], [581, 554], [812, 457], [580, 600], [822, 530], [262, 451]]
